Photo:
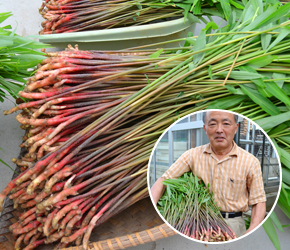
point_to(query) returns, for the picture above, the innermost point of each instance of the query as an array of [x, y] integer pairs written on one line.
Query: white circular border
[[207, 242]]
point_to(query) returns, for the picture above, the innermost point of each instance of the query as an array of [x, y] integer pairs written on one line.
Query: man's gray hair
[[236, 117]]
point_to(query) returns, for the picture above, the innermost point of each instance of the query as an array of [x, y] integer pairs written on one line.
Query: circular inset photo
[[214, 176]]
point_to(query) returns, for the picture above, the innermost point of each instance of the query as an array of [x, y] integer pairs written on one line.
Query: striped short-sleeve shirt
[[236, 180]]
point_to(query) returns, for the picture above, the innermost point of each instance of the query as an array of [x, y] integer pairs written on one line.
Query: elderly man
[[234, 174]]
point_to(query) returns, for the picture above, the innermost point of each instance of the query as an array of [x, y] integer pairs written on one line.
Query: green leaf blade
[[272, 121], [271, 232], [262, 101]]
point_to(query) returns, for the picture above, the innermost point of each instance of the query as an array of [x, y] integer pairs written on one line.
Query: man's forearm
[[257, 216], [157, 190]]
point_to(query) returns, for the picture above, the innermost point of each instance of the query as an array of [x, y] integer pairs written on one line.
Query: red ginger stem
[[22, 186], [91, 213], [86, 173], [68, 217], [78, 68], [41, 122], [56, 188], [64, 211], [95, 190], [18, 242], [55, 237], [35, 130], [74, 61], [42, 101], [30, 218], [22, 163], [59, 197], [63, 121], [48, 221], [106, 197], [38, 95], [56, 65], [27, 228], [51, 170], [53, 140], [40, 165], [23, 106], [95, 160], [56, 156], [35, 237], [29, 204], [66, 112], [131, 188], [9, 187], [14, 225], [15, 195], [51, 79], [79, 104], [26, 214], [74, 236], [41, 220], [81, 54], [34, 244], [16, 200], [30, 234], [66, 171], [39, 136], [61, 126], [63, 20], [27, 197], [71, 224], [72, 213]]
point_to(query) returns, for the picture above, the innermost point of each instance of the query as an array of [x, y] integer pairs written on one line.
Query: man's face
[[220, 128]]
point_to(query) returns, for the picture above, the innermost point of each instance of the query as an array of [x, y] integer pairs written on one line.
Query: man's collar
[[234, 150], [207, 149]]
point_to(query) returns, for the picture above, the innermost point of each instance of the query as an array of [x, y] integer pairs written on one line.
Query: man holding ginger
[[234, 175]]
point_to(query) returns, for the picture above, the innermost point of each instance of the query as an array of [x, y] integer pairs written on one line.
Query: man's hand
[[258, 215], [157, 190]]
